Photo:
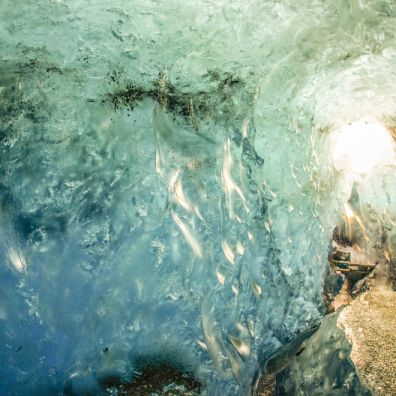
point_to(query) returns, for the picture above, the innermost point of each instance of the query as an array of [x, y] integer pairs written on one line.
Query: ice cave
[[197, 197]]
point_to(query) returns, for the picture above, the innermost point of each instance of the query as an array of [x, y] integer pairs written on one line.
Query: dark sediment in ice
[[154, 378]]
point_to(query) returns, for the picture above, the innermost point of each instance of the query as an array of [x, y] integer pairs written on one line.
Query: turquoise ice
[[166, 182]]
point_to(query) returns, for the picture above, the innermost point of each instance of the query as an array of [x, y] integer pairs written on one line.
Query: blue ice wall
[[165, 183]]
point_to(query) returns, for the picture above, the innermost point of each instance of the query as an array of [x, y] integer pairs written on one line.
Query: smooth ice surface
[[166, 179]]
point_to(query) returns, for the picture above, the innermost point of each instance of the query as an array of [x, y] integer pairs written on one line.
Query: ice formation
[[167, 183]]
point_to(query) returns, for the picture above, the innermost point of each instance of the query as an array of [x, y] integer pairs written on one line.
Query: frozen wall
[[165, 179]]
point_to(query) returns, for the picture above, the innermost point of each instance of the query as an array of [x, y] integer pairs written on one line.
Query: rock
[[266, 385], [158, 378], [369, 323]]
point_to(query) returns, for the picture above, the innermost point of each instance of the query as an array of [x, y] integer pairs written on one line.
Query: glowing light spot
[[245, 127], [240, 249], [172, 179], [220, 277], [230, 186], [201, 344], [17, 260], [350, 216], [241, 346], [180, 197], [256, 290], [348, 211], [361, 147], [190, 239], [228, 252], [158, 168], [235, 290], [199, 215]]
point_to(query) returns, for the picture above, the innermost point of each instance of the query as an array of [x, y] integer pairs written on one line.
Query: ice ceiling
[[167, 184]]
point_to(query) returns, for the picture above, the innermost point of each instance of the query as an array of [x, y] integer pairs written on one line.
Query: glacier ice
[[166, 182]]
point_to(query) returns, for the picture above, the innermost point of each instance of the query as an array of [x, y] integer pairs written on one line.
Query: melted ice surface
[[166, 180]]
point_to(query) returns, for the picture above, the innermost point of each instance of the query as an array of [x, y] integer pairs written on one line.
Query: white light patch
[[17, 260], [220, 277], [361, 147], [196, 248], [228, 252]]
